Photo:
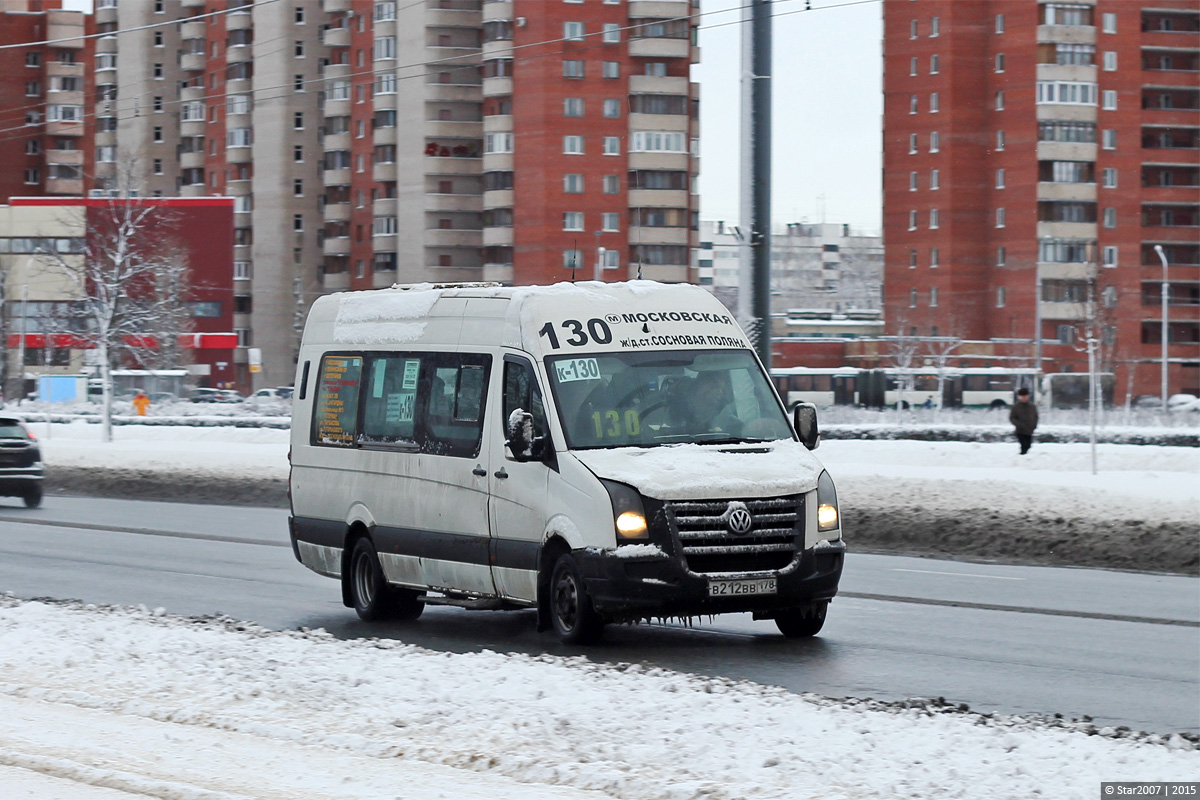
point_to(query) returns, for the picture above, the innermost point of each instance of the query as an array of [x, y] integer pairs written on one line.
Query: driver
[[703, 406]]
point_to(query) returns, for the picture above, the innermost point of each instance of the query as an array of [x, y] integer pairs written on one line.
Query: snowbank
[[208, 707]]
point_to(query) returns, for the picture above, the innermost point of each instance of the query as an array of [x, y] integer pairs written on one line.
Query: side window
[[391, 400], [521, 391], [455, 405], [335, 417]]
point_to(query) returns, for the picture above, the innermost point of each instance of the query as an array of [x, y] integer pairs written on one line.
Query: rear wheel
[[571, 612], [374, 598], [33, 497], [802, 623]]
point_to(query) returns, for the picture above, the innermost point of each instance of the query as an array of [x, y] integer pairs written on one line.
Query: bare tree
[[131, 277], [941, 350], [902, 352]]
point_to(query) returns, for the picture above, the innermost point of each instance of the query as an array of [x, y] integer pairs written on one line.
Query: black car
[[21, 471]]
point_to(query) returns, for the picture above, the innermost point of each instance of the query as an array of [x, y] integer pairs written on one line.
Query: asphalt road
[[1121, 647]]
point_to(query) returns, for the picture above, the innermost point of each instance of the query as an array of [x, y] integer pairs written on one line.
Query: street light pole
[[1166, 293]]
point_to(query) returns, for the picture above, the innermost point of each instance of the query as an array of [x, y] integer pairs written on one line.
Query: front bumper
[[15, 482], [662, 586]]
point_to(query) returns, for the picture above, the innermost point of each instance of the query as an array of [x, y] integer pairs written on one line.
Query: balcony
[[498, 273], [453, 202], [72, 186], [453, 166], [192, 3], [193, 127], [659, 48], [238, 22], [1063, 311], [1048, 190], [497, 87], [497, 11], [659, 122], [1066, 230], [338, 108], [238, 155], [191, 160], [57, 68], [339, 246], [385, 207], [336, 37], [335, 281], [668, 161], [498, 198], [1066, 151], [452, 92], [336, 177], [337, 212], [193, 30], [64, 128], [191, 62], [666, 273], [239, 54], [647, 84], [71, 157], [659, 9], [452, 129], [644, 235], [384, 172], [659, 198], [1084, 73], [383, 136], [459, 17], [450, 237], [336, 141], [497, 237], [1066, 34]]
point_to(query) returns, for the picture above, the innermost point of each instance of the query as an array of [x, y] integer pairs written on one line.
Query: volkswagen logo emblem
[[738, 519]]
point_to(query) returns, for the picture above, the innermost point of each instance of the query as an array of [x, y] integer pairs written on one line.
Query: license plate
[[741, 587]]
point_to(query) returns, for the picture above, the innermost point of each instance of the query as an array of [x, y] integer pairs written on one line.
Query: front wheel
[[574, 618], [33, 497], [802, 623], [374, 598]]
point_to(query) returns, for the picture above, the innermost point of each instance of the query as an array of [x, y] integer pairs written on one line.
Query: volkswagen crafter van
[[600, 452]]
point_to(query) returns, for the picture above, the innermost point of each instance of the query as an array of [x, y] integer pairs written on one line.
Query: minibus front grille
[[775, 536]]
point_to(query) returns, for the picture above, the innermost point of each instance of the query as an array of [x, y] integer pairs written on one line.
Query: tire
[[374, 598], [802, 623], [33, 497], [571, 612], [998, 403]]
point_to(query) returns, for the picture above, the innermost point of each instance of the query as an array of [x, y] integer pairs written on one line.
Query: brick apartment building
[[367, 143], [1035, 154]]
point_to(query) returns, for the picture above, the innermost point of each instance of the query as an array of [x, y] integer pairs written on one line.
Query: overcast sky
[[827, 111], [828, 104]]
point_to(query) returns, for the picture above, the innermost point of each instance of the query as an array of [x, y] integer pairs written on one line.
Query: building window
[[1110, 177], [1110, 100], [158, 133], [572, 69], [158, 104], [573, 145], [1066, 14], [933, 179], [298, 121], [610, 222], [912, 66], [572, 106], [912, 298], [385, 48], [298, 187], [610, 69], [912, 143], [912, 220], [1109, 22], [934, 142], [572, 259], [611, 184], [1000, 179], [1001, 256], [999, 62], [656, 69], [573, 31], [33, 147], [572, 220], [1001, 217], [33, 175], [933, 218], [158, 166], [386, 84], [934, 28], [612, 32], [1066, 334], [912, 29], [999, 23], [1109, 255], [933, 298], [933, 102], [999, 101], [912, 259], [573, 183], [913, 104], [612, 107], [298, 222], [658, 142], [500, 142], [34, 59], [612, 145], [933, 64], [1066, 92], [1000, 140], [1001, 296], [912, 181], [1110, 61], [1110, 218], [933, 258], [158, 72], [241, 270]]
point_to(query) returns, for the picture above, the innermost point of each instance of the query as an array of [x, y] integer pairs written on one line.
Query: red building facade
[[1034, 156]]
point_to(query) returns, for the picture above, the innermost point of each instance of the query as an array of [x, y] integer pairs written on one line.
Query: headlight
[[629, 518], [827, 505]]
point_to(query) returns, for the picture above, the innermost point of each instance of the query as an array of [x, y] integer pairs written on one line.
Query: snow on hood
[[373, 317], [699, 472]]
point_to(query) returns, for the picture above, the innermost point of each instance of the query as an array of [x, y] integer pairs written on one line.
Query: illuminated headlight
[[629, 517], [827, 505]]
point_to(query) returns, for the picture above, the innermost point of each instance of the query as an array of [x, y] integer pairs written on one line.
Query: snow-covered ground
[[111, 703]]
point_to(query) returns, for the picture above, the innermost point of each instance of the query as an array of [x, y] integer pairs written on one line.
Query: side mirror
[[521, 442], [804, 420]]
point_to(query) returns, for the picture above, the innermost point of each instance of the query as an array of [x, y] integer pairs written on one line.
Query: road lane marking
[[85, 526], [956, 574], [1054, 612]]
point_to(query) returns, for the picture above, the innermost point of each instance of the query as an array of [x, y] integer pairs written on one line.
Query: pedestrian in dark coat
[[1024, 417]]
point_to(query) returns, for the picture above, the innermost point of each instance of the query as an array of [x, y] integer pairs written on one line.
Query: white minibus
[[600, 452]]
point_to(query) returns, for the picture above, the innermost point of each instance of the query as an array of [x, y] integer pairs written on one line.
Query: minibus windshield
[[642, 399]]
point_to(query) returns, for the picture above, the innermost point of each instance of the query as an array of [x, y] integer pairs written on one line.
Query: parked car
[[21, 471], [275, 397], [1183, 402]]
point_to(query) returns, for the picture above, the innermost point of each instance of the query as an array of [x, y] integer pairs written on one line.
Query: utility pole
[[1166, 294], [756, 171]]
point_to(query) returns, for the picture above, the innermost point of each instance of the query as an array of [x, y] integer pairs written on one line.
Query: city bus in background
[[961, 387], [1070, 389]]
